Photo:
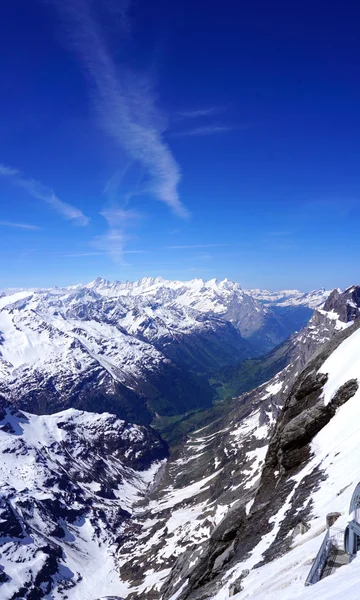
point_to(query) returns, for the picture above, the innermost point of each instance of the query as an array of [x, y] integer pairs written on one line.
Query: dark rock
[[331, 518], [303, 416]]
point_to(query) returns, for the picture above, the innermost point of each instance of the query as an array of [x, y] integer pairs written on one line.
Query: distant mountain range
[[140, 348]]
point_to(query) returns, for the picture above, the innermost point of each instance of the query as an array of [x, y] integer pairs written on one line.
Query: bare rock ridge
[[303, 416]]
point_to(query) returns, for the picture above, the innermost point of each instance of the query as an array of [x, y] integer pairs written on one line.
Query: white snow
[[331, 314], [342, 365], [32, 452], [335, 451], [311, 299]]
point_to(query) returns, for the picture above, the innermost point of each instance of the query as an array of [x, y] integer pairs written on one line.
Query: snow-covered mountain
[[205, 295], [239, 509], [69, 482], [134, 349], [310, 470], [63, 348], [251, 311], [311, 299], [248, 488]]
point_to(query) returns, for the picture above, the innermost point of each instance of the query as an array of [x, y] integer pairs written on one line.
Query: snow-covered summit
[[311, 299], [69, 482], [203, 295], [215, 294]]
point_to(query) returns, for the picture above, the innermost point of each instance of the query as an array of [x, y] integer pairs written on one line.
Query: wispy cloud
[[119, 217], [112, 242], [8, 171], [19, 225], [279, 233], [208, 130], [125, 104], [191, 246], [201, 112], [203, 257], [44, 193], [86, 254]]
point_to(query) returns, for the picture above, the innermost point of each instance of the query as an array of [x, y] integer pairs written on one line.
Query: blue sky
[[192, 139]]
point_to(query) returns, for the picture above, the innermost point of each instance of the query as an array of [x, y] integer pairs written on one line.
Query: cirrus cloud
[[125, 102], [44, 193]]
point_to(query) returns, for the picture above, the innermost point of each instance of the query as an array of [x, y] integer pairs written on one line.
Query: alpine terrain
[[94, 506], [133, 349]]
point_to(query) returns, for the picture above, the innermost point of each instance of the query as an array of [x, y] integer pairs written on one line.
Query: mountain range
[[95, 507], [136, 349]]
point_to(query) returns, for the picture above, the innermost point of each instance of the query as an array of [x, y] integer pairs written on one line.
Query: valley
[[138, 349]]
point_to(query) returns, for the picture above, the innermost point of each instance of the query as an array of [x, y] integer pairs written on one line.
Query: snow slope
[[335, 453], [289, 298], [68, 484], [311, 469]]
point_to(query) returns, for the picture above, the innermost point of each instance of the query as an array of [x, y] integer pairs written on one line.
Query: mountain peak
[[344, 304], [98, 282]]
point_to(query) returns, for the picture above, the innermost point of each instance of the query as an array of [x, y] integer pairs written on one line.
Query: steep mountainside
[[68, 485], [218, 464], [337, 313], [134, 349], [210, 519], [311, 468]]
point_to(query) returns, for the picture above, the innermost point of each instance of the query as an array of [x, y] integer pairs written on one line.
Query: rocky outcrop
[[303, 416], [344, 304]]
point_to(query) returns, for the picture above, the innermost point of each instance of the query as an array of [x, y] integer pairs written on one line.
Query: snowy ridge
[[69, 482], [289, 298], [265, 545], [199, 294], [334, 454]]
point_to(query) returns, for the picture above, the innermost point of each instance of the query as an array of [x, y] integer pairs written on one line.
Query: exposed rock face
[[69, 483], [346, 305], [202, 482], [303, 416]]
